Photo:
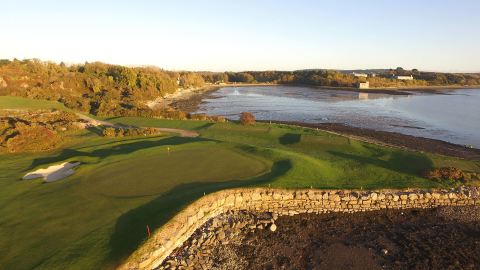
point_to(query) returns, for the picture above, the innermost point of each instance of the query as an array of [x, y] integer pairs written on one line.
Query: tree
[[247, 118]]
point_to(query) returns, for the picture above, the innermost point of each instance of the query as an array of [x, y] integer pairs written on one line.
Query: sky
[[227, 35]]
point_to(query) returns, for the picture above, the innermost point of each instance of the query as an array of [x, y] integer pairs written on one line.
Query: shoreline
[[189, 100], [345, 241], [428, 88], [391, 139], [387, 138]]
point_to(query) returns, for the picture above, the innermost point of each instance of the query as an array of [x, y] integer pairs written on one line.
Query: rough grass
[[98, 216]]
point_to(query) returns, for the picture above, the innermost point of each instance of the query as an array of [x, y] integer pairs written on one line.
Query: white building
[[364, 85], [364, 75], [406, 78]]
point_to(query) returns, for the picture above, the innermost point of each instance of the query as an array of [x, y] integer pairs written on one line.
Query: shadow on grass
[[130, 229], [402, 162], [289, 138], [118, 149], [96, 130], [204, 126]]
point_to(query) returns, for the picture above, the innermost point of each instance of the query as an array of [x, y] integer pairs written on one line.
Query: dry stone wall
[[287, 202]]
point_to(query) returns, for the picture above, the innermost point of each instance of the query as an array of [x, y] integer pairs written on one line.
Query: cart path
[[95, 122]]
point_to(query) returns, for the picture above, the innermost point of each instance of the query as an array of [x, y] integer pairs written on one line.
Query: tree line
[[334, 78], [104, 89]]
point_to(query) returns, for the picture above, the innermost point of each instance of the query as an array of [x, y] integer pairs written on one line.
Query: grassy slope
[[99, 215], [11, 102]]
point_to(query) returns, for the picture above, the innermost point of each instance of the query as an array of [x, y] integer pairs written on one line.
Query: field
[[98, 216]]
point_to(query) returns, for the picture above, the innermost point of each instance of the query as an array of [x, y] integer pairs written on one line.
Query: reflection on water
[[363, 96], [452, 116]]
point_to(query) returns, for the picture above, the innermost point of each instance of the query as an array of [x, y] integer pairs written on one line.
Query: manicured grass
[[11, 102], [98, 216], [42, 224]]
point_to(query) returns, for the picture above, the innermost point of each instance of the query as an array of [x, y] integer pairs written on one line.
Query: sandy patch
[[53, 173]]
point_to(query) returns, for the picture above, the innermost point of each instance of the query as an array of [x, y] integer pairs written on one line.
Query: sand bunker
[[53, 173]]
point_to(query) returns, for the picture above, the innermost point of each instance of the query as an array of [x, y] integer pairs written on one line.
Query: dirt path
[[95, 122]]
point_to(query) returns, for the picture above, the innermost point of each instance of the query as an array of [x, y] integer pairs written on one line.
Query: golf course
[[125, 186]]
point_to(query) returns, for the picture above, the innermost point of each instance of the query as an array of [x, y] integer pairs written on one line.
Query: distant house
[[405, 78], [364, 75], [364, 85]]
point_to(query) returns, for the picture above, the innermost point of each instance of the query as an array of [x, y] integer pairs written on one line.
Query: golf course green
[[95, 218]]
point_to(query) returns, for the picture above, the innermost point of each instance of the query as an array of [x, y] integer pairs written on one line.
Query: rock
[[221, 235], [335, 198], [273, 227], [412, 196]]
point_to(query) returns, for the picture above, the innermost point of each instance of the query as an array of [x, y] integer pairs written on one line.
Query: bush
[[205, 117], [109, 132], [445, 173], [217, 118], [35, 131], [33, 138], [199, 117], [129, 132], [247, 118]]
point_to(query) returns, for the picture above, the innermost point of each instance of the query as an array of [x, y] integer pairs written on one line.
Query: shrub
[[247, 118], [35, 131], [218, 118], [128, 132], [109, 132], [205, 117], [445, 173], [33, 138], [199, 116]]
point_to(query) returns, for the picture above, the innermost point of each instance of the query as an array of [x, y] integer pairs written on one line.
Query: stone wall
[[286, 202]]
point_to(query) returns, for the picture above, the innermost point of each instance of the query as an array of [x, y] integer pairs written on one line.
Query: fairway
[[98, 216]]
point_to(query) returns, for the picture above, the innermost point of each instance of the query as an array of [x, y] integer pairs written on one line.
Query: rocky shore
[[258, 204], [439, 238]]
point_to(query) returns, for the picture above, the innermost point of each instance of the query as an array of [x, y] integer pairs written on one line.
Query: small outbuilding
[[364, 85]]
